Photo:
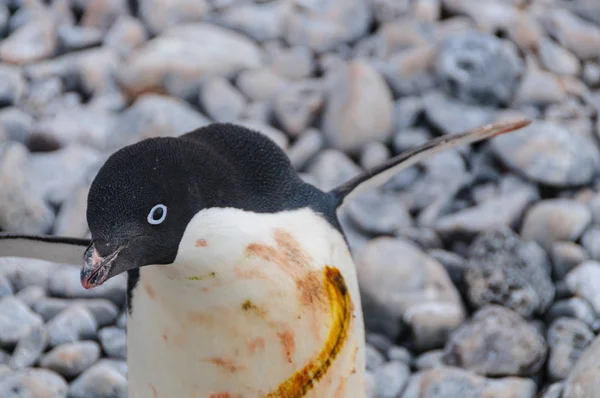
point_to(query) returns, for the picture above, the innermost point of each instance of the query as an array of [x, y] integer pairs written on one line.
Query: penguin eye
[[157, 215]]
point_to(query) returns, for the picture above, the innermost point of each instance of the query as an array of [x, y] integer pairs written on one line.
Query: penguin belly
[[255, 305]]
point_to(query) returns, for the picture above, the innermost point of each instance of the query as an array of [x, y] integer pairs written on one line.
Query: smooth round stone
[[16, 320], [391, 378], [114, 342], [34, 383], [71, 359], [73, 324], [379, 213], [100, 381], [29, 348]]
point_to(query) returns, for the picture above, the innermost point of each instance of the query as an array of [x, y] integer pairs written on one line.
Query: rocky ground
[[479, 268]]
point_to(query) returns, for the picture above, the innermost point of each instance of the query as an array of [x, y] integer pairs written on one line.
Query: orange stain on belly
[[226, 364], [150, 291], [288, 343], [201, 243]]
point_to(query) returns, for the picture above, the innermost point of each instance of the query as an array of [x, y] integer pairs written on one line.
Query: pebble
[[558, 60], [446, 382], [155, 115], [553, 220], [261, 22], [410, 138], [479, 68], [31, 294], [125, 35], [29, 348], [378, 213], [73, 324], [450, 115], [105, 311], [6, 288], [175, 61], [391, 378], [580, 37], [359, 107], [568, 338], [430, 359], [71, 217], [566, 256], [496, 212], [221, 100], [373, 358], [403, 283], [27, 272], [574, 307], [260, 84], [323, 27], [12, 85], [496, 342], [583, 381], [99, 381], [16, 123], [305, 148], [591, 73], [292, 63], [71, 359], [549, 154], [411, 72], [539, 88], [71, 38], [455, 265], [504, 269], [16, 321], [297, 105], [554, 390], [331, 168], [379, 341], [114, 342], [158, 15], [34, 383], [33, 41], [407, 111], [584, 281], [374, 154], [591, 242], [22, 207], [102, 14]]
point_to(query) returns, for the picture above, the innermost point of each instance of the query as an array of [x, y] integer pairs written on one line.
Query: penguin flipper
[[56, 249], [380, 174]]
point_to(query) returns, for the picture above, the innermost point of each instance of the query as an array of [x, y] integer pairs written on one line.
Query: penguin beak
[[96, 269]]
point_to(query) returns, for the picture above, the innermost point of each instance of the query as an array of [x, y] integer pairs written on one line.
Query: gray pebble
[[16, 123], [33, 383], [450, 115], [400, 354], [582, 381], [379, 341], [114, 342], [410, 138], [378, 213], [4, 358], [331, 168], [374, 359], [479, 68], [72, 37], [553, 220], [410, 72], [292, 63], [16, 320], [125, 35], [430, 359], [406, 112], [261, 22], [297, 105], [71, 359], [591, 73], [591, 242], [580, 37], [12, 85], [547, 153], [122, 320], [221, 100], [6, 288], [503, 269], [73, 324], [33, 41], [554, 390], [539, 88], [496, 342], [584, 280], [373, 154], [29, 348], [391, 378], [568, 338], [556, 59], [99, 381], [31, 294], [566, 256], [24, 272], [455, 265], [573, 307], [105, 312], [306, 147]]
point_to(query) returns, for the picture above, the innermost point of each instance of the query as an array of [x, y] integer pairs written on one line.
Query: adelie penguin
[[240, 280]]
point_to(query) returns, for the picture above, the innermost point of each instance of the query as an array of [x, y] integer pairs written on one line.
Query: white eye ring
[[152, 220]]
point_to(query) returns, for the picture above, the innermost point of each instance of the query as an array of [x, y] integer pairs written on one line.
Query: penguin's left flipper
[[56, 249], [378, 175]]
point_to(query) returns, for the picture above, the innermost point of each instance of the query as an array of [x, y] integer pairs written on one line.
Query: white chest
[[255, 305]]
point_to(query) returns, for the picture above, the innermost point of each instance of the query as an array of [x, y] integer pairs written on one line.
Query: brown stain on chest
[[150, 291], [201, 243], [224, 395], [288, 343], [154, 392], [256, 344], [226, 364]]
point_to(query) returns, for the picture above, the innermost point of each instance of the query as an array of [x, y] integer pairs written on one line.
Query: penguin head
[[138, 207]]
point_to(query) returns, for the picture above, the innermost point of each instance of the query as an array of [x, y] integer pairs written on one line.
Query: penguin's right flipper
[[44, 247]]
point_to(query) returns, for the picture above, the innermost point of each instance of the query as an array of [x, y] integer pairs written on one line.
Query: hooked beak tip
[[96, 269]]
